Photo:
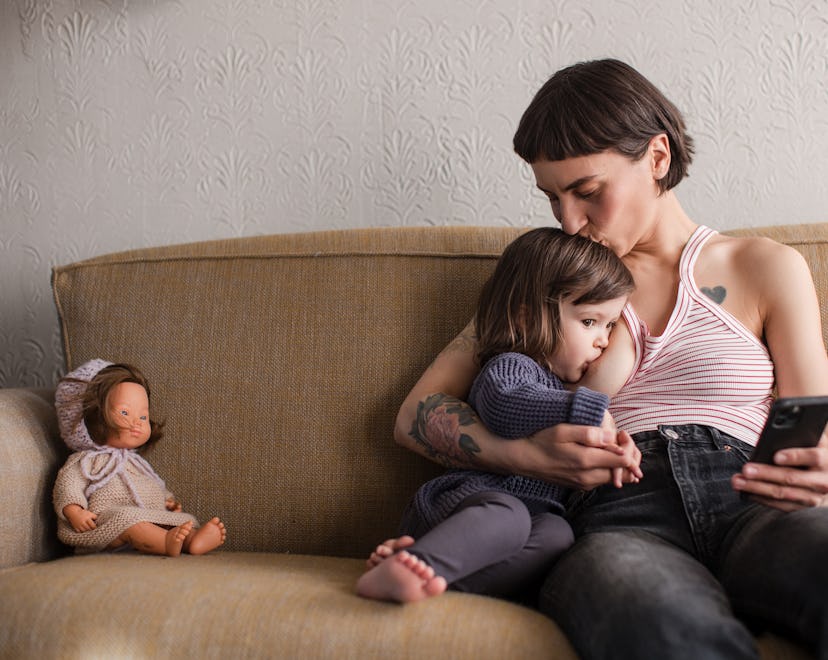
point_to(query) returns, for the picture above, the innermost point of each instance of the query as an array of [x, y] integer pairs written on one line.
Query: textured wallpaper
[[146, 122]]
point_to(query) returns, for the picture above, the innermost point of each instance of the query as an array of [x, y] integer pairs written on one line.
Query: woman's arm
[[435, 422], [793, 333]]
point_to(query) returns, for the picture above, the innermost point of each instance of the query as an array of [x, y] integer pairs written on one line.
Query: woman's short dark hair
[[600, 105], [519, 305]]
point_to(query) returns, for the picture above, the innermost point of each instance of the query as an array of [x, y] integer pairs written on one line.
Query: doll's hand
[[82, 520], [173, 505]]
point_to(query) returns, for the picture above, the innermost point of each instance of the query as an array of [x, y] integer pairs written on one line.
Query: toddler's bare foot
[[403, 578], [175, 537], [207, 537], [387, 548]]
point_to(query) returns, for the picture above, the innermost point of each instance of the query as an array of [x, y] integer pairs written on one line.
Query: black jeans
[[680, 565]]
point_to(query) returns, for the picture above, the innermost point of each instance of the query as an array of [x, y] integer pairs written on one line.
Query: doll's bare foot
[[206, 538], [387, 548], [153, 539], [403, 578], [175, 537]]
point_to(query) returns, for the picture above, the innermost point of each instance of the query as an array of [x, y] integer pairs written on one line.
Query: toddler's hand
[[608, 422], [631, 473]]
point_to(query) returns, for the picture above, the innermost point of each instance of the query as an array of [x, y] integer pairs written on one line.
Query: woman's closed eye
[[586, 194]]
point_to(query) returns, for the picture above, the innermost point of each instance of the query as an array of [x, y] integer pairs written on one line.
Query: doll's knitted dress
[[114, 503], [116, 484]]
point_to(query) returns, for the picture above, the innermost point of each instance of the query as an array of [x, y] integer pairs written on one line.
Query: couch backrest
[[279, 363]]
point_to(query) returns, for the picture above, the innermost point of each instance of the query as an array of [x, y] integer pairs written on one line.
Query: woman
[[707, 544]]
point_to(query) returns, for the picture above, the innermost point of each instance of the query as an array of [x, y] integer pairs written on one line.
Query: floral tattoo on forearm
[[438, 427]]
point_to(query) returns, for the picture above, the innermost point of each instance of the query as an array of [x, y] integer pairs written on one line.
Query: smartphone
[[792, 422]]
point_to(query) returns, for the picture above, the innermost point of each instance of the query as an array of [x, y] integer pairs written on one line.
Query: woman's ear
[[659, 154]]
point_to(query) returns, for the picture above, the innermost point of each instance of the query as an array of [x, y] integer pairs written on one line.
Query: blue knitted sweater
[[514, 397]]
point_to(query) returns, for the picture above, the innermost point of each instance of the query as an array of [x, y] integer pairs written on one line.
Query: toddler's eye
[[122, 412], [143, 418], [588, 322]]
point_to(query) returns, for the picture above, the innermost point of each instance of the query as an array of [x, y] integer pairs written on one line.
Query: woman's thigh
[[631, 594], [775, 570]]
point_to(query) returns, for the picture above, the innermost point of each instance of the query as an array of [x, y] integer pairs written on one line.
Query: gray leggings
[[491, 544]]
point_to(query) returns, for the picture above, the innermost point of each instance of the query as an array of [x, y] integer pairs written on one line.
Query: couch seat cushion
[[242, 605]]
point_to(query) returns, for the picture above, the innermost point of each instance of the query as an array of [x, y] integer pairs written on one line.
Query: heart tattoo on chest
[[716, 294]]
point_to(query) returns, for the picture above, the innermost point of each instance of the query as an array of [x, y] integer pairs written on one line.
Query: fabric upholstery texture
[[241, 605], [279, 363], [31, 452]]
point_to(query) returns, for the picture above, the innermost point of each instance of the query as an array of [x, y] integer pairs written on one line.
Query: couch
[[278, 363]]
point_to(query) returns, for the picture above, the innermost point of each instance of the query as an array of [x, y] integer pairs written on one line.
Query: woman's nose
[[571, 218]]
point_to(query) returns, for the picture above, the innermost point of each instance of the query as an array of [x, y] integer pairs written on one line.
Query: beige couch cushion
[[30, 454], [249, 605]]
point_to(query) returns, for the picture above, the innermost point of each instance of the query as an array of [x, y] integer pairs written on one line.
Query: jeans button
[[670, 433]]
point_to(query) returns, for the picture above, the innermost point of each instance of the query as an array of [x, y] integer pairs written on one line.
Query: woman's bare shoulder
[[749, 275], [752, 256]]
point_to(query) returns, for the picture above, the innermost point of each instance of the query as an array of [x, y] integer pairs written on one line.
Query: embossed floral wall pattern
[[132, 123]]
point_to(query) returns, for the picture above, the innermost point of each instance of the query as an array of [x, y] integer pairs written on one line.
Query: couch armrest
[[30, 455]]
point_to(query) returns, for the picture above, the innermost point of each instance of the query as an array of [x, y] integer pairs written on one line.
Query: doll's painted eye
[[123, 412], [143, 418]]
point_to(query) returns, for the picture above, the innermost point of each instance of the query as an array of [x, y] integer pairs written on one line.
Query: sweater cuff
[[588, 407]]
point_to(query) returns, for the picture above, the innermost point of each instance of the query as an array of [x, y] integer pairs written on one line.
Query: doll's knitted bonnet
[[99, 464], [69, 405]]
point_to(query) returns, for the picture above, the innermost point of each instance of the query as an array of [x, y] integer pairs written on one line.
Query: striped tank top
[[706, 368]]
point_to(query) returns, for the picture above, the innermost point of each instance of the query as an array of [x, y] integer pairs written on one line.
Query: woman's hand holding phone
[[789, 467]]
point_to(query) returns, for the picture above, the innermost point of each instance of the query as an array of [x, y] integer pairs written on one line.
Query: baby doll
[[107, 496]]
